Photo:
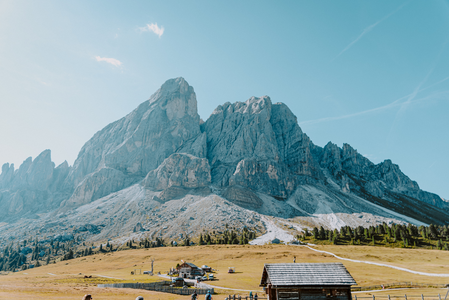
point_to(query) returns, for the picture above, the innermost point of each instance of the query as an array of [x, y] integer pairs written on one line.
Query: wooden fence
[[163, 286], [397, 285], [239, 297], [405, 297]]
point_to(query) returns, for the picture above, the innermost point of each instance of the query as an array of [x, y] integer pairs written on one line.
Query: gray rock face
[[179, 170], [178, 174], [259, 145], [126, 150], [242, 197], [295, 147], [97, 185], [252, 153], [267, 177], [33, 188], [355, 172]]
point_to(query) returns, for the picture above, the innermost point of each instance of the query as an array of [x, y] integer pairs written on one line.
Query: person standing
[[208, 296]]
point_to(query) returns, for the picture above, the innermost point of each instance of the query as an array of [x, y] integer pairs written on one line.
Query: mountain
[[246, 160]]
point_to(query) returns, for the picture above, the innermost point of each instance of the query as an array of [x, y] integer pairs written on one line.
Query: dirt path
[[379, 264], [272, 232]]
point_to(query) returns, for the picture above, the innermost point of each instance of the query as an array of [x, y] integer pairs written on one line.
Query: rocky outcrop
[[133, 146], [243, 197], [266, 176], [179, 170], [357, 173], [258, 145], [294, 146], [179, 174], [34, 188], [99, 184]]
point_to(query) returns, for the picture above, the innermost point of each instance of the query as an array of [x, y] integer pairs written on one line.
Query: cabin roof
[[306, 274], [187, 264]]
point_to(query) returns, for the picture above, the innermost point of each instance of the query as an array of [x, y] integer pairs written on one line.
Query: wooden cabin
[[189, 270], [307, 281]]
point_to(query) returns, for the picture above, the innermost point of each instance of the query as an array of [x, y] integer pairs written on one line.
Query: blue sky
[[374, 74]]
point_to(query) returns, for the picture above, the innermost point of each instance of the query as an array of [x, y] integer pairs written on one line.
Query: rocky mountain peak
[[253, 153], [174, 85], [177, 98], [63, 165], [125, 151]]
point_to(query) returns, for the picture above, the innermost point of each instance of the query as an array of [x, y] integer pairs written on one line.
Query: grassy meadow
[[65, 279]]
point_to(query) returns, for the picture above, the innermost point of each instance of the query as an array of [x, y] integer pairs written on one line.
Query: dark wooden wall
[[309, 293]]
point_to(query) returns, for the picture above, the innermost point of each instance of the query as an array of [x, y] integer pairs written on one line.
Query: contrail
[[369, 28], [395, 103]]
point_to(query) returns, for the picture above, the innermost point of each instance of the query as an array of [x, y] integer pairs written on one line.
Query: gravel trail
[[272, 232], [380, 264]]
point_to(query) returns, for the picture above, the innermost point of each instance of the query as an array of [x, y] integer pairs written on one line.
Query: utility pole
[[152, 261]]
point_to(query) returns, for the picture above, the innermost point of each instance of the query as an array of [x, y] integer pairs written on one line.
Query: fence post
[[355, 297], [439, 296], [405, 296], [422, 296], [388, 297]]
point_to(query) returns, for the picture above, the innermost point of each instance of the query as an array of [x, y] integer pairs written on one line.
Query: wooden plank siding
[[307, 282]]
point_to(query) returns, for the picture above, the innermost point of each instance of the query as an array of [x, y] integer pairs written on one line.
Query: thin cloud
[[159, 31], [412, 96], [112, 61], [398, 102], [368, 29]]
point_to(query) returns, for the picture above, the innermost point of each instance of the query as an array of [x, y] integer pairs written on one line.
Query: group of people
[[234, 297], [89, 297], [207, 297]]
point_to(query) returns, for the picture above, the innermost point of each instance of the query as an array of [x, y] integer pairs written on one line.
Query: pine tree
[[315, 233], [322, 233], [334, 240]]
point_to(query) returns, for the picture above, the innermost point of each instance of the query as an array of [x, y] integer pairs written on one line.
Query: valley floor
[[65, 280]]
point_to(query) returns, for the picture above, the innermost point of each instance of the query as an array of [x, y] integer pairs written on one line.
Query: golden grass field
[[65, 280]]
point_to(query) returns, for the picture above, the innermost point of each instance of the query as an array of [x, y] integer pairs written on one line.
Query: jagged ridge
[[253, 153]]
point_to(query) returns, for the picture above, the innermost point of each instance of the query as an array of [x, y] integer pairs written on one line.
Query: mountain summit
[[251, 155]]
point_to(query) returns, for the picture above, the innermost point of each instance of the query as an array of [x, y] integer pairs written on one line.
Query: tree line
[[395, 235], [228, 237]]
